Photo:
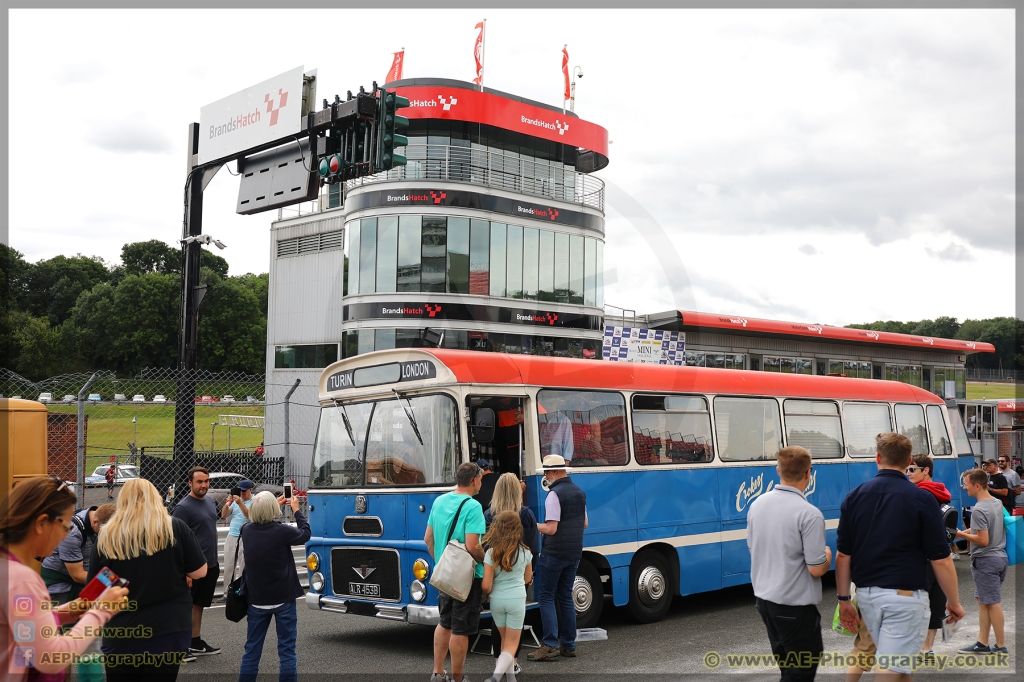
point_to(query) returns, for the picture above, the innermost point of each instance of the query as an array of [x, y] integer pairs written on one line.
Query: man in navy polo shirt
[[888, 530]]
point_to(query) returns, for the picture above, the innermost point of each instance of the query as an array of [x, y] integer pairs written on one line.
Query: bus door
[[505, 451]]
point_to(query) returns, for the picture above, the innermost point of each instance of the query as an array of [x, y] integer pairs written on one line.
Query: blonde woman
[[271, 583], [508, 496], [34, 519], [158, 554]]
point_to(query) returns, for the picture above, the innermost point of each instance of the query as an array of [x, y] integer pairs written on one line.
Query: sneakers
[[440, 677], [544, 653], [567, 653], [976, 648], [1000, 650], [189, 658], [201, 648], [516, 670]]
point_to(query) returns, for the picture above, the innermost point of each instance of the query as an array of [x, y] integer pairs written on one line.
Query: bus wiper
[[409, 415], [348, 424]]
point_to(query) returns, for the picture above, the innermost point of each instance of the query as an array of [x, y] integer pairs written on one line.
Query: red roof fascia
[[752, 325], [1011, 405]]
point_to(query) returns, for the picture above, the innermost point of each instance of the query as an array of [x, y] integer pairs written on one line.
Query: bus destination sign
[[391, 373]]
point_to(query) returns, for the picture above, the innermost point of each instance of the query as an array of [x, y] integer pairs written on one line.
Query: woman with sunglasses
[[34, 518], [920, 474]]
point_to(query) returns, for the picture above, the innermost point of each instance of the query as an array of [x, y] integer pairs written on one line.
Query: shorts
[[897, 621], [508, 612], [864, 648], [989, 572], [462, 617], [203, 588], [937, 603]]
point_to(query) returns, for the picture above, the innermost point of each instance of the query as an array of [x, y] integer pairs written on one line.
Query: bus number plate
[[364, 590]]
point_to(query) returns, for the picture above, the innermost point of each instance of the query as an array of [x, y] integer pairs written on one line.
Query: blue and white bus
[[670, 459]]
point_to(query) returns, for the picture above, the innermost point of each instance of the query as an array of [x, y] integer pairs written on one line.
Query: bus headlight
[[316, 582], [418, 591], [421, 569], [313, 561]]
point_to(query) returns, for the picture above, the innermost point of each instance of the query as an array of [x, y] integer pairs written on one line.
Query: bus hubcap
[[582, 594], [650, 586]]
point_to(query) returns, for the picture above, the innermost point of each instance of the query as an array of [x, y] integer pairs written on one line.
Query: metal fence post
[[80, 467], [287, 411]]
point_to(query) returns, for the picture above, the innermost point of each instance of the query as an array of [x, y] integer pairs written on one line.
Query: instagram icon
[[23, 604]]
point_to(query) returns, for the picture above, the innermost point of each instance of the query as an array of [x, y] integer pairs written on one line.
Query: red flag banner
[[478, 54], [565, 70], [395, 74]]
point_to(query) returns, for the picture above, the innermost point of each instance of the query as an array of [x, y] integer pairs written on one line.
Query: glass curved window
[[864, 421], [587, 428], [814, 425], [749, 429], [910, 423], [671, 429], [941, 444], [338, 451]]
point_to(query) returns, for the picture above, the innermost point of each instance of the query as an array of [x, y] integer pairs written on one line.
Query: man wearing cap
[[565, 518], [237, 507], [486, 485]]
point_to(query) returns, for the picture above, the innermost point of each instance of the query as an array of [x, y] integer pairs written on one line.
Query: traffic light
[[331, 167], [389, 127]]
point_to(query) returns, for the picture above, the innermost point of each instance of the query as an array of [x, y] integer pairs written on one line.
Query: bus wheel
[[587, 595], [649, 593]]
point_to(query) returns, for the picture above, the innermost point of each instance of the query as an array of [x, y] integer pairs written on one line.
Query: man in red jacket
[[920, 474]]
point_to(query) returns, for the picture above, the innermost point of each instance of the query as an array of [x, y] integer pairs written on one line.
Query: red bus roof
[[476, 367], [750, 325]]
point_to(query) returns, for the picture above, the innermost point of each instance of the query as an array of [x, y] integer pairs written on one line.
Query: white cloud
[[808, 250], [952, 252]]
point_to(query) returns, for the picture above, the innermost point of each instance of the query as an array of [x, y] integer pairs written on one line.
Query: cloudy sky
[[829, 166]]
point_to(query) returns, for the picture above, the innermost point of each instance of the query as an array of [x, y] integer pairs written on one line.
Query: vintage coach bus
[[670, 459]]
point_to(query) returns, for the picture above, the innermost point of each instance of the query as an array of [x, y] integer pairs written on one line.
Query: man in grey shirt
[[1012, 479], [987, 536], [788, 556]]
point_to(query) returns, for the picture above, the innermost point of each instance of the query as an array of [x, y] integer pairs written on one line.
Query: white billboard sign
[[259, 114], [649, 346]]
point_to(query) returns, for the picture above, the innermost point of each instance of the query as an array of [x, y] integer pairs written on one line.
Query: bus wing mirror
[[482, 428]]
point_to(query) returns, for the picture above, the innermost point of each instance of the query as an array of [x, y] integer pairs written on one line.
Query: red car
[[206, 399]]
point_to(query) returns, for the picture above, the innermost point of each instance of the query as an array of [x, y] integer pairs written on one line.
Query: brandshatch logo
[[550, 213], [930, 342], [734, 320], [437, 196], [282, 101], [871, 335], [433, 309], [549, 318], [970, 344], [562, 127], [446, 104], [449, 103]]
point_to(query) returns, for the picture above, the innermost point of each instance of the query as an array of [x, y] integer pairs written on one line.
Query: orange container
[[22, 442]]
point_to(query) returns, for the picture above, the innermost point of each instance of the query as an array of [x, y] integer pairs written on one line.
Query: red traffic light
[[335, 163]]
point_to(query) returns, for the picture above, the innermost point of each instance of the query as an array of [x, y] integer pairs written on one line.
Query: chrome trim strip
[[379, 549], [422, 615], [313, 600], [391, 612], [335, 605], [363, 535]]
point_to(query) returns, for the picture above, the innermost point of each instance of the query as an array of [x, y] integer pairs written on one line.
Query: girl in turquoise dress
[[508, 569]]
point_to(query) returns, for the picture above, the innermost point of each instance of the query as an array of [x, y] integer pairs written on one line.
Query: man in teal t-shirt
[[458, 620]]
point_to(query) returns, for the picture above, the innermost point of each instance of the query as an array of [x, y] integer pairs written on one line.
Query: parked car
[[15, 397], [222, 482], [159, 399], [120, 397], [250, 399], [45, 398], [70, 398], [138, 398], [124, 472], [228, 399], [95, 397], [206, 399]]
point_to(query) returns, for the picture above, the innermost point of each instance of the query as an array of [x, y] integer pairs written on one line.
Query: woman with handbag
[[34, 518], [270, 583], [157, 554]]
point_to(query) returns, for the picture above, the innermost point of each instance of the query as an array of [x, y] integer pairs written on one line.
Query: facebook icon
[[24, 656]]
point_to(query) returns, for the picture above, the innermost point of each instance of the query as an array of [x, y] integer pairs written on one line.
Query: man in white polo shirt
[[788, 556]]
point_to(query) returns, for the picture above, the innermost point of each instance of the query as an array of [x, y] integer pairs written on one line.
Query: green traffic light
[[324, 168], [400, 101], [397, 160]]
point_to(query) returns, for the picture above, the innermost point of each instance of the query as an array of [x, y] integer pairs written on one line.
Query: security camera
[[579, 74]]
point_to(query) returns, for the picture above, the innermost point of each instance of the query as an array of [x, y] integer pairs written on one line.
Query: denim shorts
[[897, 621], [989, 572]]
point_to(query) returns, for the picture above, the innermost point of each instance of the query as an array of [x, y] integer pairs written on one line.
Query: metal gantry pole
[[80, 466], [287, 420]]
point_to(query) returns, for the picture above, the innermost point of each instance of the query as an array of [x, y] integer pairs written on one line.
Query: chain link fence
[[159, 423]]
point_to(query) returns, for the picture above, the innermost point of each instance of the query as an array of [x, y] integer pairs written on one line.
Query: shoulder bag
[[235, 604], [454, 571]]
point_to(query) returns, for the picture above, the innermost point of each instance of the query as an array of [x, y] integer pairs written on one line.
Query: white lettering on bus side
[[415, 370]]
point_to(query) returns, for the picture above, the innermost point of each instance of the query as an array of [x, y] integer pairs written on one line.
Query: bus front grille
[[363, 525], [369, 573]]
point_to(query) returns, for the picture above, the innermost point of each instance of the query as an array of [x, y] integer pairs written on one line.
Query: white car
[[45, 398], [70, 398], [228, 399], [119, 397], [124, 472], [159, 399], [138, 398]]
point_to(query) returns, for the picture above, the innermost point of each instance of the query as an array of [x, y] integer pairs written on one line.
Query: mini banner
[[649, 346], [478, 54], [395, 74], [525, 210], [565, 71]]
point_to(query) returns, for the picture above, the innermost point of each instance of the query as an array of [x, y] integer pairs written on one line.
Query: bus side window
[[864, 421], [937, 427], [814, 425], [587, 428], [748, 428], [910, 423], [671, 429]]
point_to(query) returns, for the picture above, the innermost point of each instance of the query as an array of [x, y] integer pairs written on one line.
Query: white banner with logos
[[262, 113], [649, 346]]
